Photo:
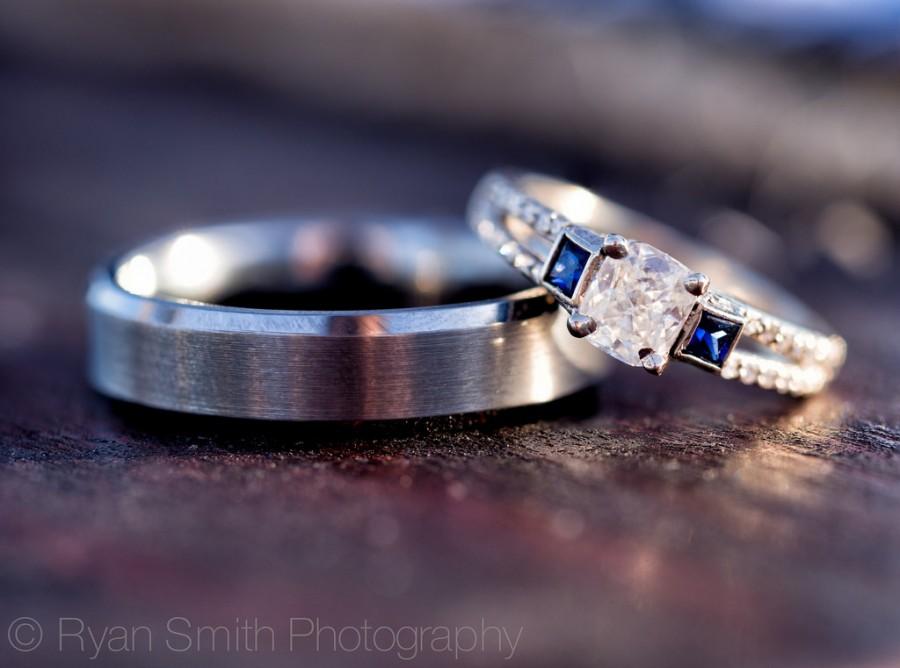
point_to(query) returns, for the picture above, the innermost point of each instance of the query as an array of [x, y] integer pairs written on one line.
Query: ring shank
[[174, 349], [583, 207], [791, 350]]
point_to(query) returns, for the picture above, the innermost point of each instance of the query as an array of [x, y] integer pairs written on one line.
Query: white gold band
[[163, 334], [638, 303]]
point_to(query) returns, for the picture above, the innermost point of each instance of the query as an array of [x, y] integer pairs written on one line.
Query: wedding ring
[[637, 302], [176, 324]]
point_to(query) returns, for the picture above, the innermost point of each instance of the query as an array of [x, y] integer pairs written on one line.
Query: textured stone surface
[[639, 302]]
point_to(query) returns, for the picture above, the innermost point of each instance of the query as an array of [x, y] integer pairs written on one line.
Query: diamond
[[567, 266], [713, 339], [639, 303]]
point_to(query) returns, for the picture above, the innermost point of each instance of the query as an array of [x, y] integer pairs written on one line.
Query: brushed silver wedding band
[[160, 337]]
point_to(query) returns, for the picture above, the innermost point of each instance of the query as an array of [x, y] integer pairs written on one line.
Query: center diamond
[[638, 302]]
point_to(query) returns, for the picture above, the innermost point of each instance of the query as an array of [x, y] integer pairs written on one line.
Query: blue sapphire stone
[[567, 266], [712, 339]]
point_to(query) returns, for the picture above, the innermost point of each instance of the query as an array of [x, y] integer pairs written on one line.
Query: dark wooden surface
[[679, 521]]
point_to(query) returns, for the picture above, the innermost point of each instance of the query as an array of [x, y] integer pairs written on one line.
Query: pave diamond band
[[640, 304]]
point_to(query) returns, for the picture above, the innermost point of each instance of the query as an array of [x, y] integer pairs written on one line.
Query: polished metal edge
[[346, 366]]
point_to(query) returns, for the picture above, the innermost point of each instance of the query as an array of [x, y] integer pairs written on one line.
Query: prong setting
[[653, 362], [615, 246], [581, 325], [686, 320], [697, 283]]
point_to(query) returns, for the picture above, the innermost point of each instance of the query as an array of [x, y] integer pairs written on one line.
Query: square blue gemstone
[[567, 266], [712, 339]]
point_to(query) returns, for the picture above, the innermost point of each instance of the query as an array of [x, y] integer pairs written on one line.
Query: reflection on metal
[[137, 275], [426, 273], [192, 265], [581, 205], [543, 375], [185, 351]]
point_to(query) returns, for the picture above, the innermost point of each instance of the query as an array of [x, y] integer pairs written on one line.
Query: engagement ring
[[640, 304]]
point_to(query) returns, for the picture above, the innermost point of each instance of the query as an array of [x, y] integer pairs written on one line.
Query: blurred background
[[774, 123], [770, 128]]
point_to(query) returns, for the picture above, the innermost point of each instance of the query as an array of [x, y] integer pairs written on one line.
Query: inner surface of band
[[583, 207], [319, 265], [166, 332]]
